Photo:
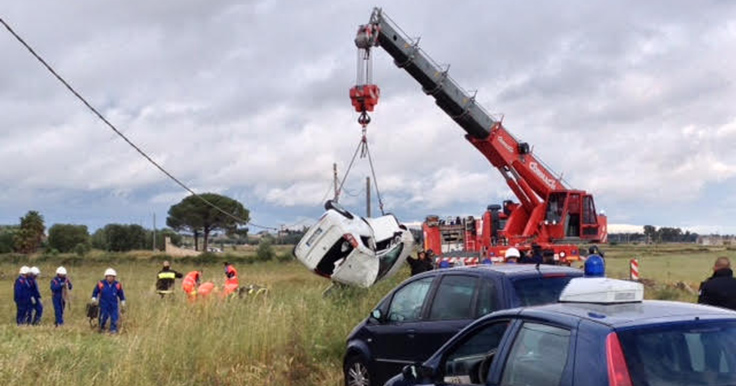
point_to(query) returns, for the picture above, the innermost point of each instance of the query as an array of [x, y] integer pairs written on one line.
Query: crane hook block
[[365, 97]]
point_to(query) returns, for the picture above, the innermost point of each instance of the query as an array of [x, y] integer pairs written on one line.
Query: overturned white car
[[353, 250]]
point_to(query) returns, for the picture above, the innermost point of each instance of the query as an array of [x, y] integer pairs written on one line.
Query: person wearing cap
[[232, 282], [594, 250], [60, 284], [594, 266], [36, 310], [165, 280], [109, 291], [512, 256], [22, 296]]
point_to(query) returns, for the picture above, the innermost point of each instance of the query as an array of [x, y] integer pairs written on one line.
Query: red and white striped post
[[634, 271]]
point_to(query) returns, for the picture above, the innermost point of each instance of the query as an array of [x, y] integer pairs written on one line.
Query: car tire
[[329, 205], [356, 372]]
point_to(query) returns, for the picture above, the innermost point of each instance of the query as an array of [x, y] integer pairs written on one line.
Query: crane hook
[[364, 119]]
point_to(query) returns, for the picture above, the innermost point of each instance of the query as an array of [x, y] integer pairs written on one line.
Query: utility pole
[[368, 197], [334, 179], [154, 231]]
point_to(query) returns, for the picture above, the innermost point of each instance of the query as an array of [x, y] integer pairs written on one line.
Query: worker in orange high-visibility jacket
[[231, 280], [190, 284]]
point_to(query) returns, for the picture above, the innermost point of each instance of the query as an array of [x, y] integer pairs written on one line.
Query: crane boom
[[549, 211]]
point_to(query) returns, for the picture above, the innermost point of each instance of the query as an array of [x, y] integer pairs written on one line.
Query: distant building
[[717, 240]]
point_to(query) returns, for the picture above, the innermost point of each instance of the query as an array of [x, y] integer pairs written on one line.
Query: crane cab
[[571, 215]]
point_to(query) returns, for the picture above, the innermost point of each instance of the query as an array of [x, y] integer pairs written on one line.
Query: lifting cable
[[364, 151], [113, 128]]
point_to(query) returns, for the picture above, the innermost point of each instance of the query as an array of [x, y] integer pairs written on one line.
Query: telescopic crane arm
[[543, 196], [527, 177]]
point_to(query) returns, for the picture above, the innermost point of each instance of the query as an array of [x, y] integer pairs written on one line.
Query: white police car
[[353, 250], [601, 332]]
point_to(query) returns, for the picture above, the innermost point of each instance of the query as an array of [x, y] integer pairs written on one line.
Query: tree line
[[30, 236], [192, 215], [651, 234]]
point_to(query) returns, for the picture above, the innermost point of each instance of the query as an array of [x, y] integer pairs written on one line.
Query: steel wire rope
[[350, 166], [120, 134], [375, 180]]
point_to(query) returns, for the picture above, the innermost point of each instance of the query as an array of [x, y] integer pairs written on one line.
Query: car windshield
[[387, 260], [692, 353], [533, 291]]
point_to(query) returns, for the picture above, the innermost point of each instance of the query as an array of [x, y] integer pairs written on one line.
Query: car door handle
[[410, 333]]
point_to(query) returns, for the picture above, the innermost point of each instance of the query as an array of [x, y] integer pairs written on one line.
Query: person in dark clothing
[[720, 289], [594, 250], [420, 264], [535, 257], [165, 280]]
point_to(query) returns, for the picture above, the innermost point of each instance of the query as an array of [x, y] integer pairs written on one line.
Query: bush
[[284, 257], [82, 249], [265, 251], [67, 237], [205, 258]]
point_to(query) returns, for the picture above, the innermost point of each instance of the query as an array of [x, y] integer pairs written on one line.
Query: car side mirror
[[417, 373], [410, 372], [377, 315]]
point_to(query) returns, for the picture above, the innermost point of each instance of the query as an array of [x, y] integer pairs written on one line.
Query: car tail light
[[351, 240], [618, 372]]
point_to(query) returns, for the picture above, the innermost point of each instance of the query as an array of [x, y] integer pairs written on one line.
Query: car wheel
[[356, 372]]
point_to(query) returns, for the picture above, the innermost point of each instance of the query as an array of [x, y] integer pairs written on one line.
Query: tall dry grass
[[291, 336]]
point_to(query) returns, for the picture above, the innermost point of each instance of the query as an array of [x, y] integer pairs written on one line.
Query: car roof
[[517, 270], [625, 315]]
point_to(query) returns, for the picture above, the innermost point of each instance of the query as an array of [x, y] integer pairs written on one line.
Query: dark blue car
[[615, 341], [423, 312]]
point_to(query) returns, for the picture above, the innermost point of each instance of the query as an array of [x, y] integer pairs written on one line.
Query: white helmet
[[35, 271], [110, 272], [512, 252], [61, 271], [24, 270]]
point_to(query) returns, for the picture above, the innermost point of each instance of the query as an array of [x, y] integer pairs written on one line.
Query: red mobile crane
[[549, 214]]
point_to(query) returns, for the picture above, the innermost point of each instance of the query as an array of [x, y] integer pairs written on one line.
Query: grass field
[[292, 336]]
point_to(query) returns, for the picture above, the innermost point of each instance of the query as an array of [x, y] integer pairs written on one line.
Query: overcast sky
[[631, 100]]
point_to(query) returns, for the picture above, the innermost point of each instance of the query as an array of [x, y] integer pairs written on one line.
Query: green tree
[[194, 215], [28, 238], [7, 238], [120, 238], [650, 231], [265, 250], [66, 237]]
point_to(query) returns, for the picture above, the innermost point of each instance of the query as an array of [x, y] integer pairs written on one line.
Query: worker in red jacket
[[190, 283], [231, 280]]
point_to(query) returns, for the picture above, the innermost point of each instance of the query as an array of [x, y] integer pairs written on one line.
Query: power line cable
[[111, 126]]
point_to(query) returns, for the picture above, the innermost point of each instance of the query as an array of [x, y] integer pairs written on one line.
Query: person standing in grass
[[231, 279], [36, 310], [22, 295], [109, 291], [60, 284], [420, 264], [165, 279], [190, 283], [720, 289]]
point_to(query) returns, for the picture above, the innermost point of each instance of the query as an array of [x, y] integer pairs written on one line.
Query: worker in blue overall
[[60, 284], [36, 310], [22, 295], [108, 291]]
